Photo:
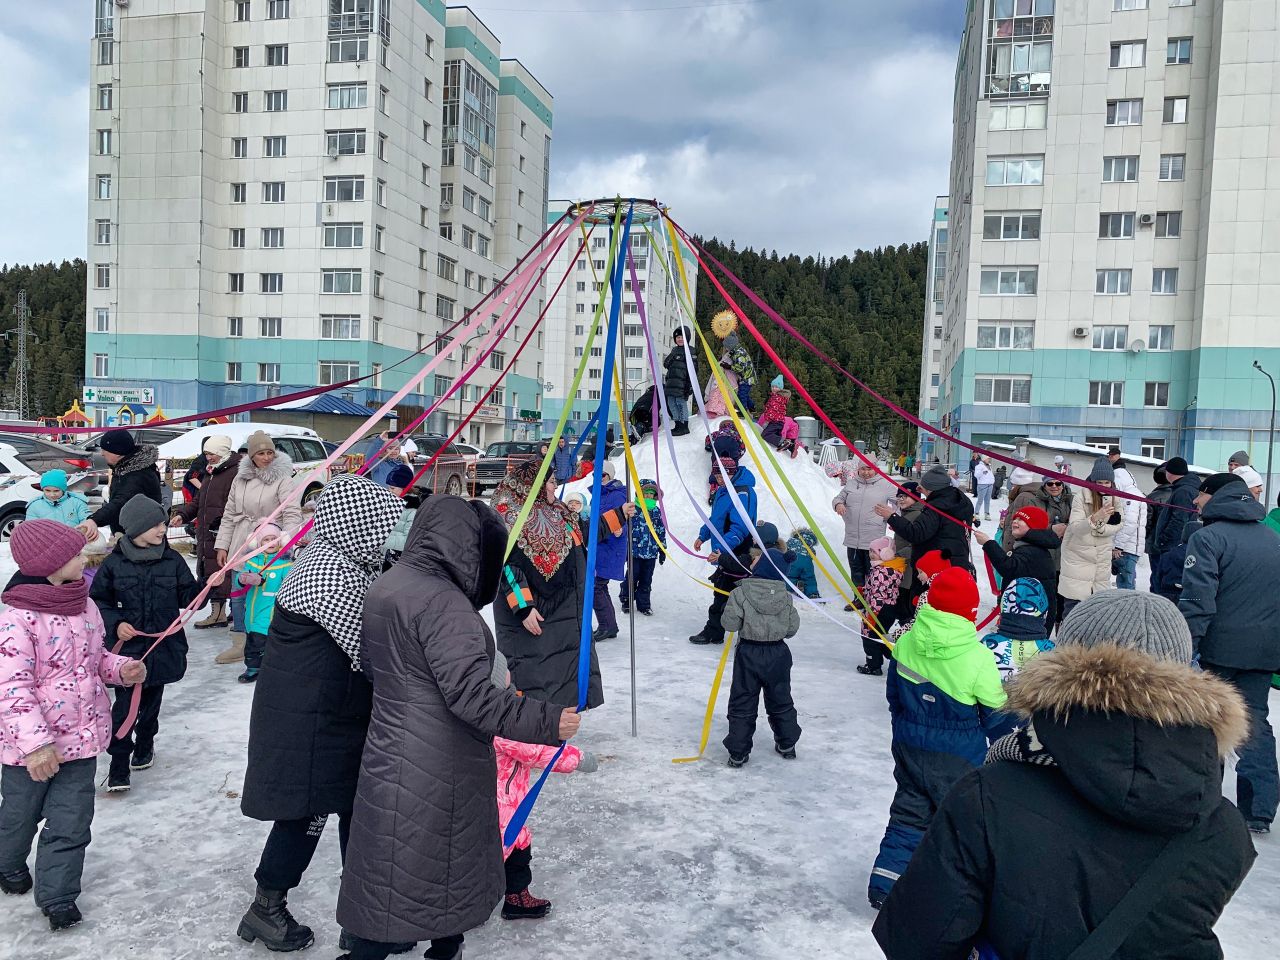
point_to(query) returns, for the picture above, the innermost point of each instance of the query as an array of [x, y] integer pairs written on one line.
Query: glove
[[662, 558], [1114, 520], [249, 579], [588, 763]]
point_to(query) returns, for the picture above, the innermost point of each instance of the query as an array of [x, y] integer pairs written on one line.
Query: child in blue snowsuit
[[645, 552], [802, 573], [264, 575]]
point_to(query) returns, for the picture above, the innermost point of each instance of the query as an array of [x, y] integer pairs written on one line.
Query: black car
[[500, 457], [40, 456]]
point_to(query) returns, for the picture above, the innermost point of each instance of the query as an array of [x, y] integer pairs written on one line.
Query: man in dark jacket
[[1160, 495], [1034, 559], [1232, 606], [932, 531], [563, 462], [1181, 506], [133, 471], [1030, 853], [677, 384]]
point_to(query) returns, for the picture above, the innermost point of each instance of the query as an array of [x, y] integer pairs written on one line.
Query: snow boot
[[700, 638], [868, 670], [250, 675], [603, 634], [347, 942], [1260, 827], [524, 906], [63, 916], [741, 761], [268, 919], [118, 775], [143, 757], [16, 882], [626, 607], [217, 617], [788, 753], [233, 653], [681, 429], [446, 948], [647, 612], [877, 899]]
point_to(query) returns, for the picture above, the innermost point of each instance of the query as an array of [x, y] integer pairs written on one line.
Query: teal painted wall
[[433, 7], [510, 86], [461, 38]]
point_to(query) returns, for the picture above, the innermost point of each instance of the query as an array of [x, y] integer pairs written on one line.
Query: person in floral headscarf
[[541, 594]]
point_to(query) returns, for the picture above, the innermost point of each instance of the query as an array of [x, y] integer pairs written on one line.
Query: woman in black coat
[[206, 512], [311, 703], [1120, 761], [425, 857], [676, 384], [133, 472], [931, 531]]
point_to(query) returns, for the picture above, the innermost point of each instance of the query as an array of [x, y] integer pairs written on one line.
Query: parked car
[[155, 436], [20, 484], [40, 455], [302, 445], [499, 458], [453, 472]]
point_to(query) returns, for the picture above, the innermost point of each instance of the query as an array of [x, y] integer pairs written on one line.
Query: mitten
[[249, 579], [588, 763]]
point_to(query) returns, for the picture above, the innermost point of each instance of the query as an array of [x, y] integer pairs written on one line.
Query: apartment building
[[935, 306], [291, 193]]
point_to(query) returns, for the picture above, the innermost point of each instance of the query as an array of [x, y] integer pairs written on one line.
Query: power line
[[609, 11]]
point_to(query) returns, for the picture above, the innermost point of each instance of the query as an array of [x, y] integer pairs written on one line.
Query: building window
[[104, 143], [338, 371], [382, 100], [1164, 280], [278, 55], [444, 306], [1119, 169], [441, 385], [497, 360], [484, 208], [1182, 3], [271, 283], [344, 143], [1128, 4], [235, 373], [242, 11], [381, 195], [482, 245], [240, 103], [1124, 113], [1129, 53], [379, 239], [1020, 51], [580, 308], [448, 156], [105, 96], [273, 192], [1115, 226], [277, 9], [240, 147], [102, 276], [342, 280], [446, 231], [102, 320], [276, 101], [1004, 336], [1160, 338], [344, 235], [1175, 109], [382, 146], [1156, 394], [377, 283], [235, 327], [272, 238], [1017, 225], [468, 238], [1179, 50], [102, 232], [1018, 116], [1114, 282], [1101, 443], [1106, 393], [236, 238], [1013, 171], [1153, 447], [1110, 337], [1009, 282], [239, 192], [240, 57], [1173, 166], [1169, 223], [104, 186], [1002, 390], [348, 50], [268, 373], [347, 96], [270, 328], [235, 283], [106, 52], [338, 189], [101, 365], [273, 147], [339, 326], [446, 268]]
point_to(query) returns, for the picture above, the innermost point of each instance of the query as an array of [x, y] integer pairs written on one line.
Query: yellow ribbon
[[711, 704]]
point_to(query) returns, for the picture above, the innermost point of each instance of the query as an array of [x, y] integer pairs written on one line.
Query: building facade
[[1114, 247], [568, 322], [935, 307], [291, 193]]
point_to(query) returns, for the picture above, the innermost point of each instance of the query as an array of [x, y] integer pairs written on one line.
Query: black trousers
[[519, 873], [145, 727], [641, 569], [443, 949], [290, 846], [761, 668], [255, 645], [723, 580], [859, 565]]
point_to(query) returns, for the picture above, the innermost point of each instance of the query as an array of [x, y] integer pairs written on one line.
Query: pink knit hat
[[43, 547], [882, 549]]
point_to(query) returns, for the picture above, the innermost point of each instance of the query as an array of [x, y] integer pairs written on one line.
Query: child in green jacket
[[263, 574]]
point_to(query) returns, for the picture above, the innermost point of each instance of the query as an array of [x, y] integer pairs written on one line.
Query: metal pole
[[20, 381], [1271, 437], [623, 425]]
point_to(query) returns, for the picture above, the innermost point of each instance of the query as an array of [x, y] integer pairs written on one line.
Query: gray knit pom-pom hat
[[1128, 618]]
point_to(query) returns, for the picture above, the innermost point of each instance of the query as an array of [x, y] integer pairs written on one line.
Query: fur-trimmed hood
[[1139, 738], [281, 468]]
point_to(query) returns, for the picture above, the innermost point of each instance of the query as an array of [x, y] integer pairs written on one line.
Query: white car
[[18, 487], [301, 444]]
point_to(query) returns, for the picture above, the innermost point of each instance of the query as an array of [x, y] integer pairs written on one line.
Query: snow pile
[[643, 859]]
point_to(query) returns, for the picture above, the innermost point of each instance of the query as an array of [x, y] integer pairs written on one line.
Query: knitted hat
[[607, 469], [119, 442], [140, 514], [1102, 472], [582, 495], [730, 466], [258, 442], [217, 445], [1159, 476], [1250, 476], [1059, 459], [400, 476], [1239, 458], [911, 487], [731, 341], [681, 332], [768, 532], [935, 478], [776, 382], [882, 549], [1177, 465], [772, 565], [1033, 517], [955, 591], [1020, 475], [498, 675], [1128, 618], [54, 478], [1216, 482], [933, 563], [43, 547]]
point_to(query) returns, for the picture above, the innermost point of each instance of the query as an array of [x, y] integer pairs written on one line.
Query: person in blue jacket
[[614, 512], [730, 551], [58, 503]]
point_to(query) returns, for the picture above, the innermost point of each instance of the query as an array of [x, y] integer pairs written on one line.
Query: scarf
[[1021, 746], [138, 554], [40, 596], [547, 536], [897, 563], [329, 581]]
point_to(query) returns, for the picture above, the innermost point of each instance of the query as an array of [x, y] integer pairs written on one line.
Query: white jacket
[[983, 475], [1132, 537], [1086, 550]]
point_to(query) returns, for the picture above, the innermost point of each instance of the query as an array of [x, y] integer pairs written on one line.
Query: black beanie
[[119, 442], [681, 332], [1177, 465], [1217, 481]]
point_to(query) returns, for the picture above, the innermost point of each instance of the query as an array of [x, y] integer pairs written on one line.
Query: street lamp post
[[1271, 437]]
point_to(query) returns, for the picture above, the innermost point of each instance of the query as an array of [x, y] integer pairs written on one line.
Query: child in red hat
[[1030, 556], [927, 567]]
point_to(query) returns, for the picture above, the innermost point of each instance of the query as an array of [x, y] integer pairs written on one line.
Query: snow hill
[[644, 859]]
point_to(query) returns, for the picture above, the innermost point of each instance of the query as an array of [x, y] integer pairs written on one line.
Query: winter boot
[[603, 634], [524, 906], [700, 638], [626, 607], [681, 428], [347, 942], [447, 948], [647, 612], [233, 653], [269, 920], [869, 669], [217, 616], [250, 675], [1260, 827], [15, 883], [741, 761], [118, 775], [788, 753], [143, 757], [63, 916]]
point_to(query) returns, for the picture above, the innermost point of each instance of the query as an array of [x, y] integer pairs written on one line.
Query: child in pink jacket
[[54, 715], [516, 762]]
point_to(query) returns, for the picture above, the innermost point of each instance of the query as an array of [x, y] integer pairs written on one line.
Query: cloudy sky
[[799, 125]]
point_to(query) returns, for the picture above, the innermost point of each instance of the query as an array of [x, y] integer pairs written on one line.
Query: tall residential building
[[1115, 234], [935, 306], [290, 193], [568, 320]]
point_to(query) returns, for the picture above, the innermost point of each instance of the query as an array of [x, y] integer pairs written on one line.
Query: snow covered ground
[[643, 859]]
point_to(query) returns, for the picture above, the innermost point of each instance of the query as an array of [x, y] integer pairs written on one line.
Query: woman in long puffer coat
[[1089, 540]]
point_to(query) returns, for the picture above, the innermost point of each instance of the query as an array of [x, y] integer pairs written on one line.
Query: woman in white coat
[[1089, 539]]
